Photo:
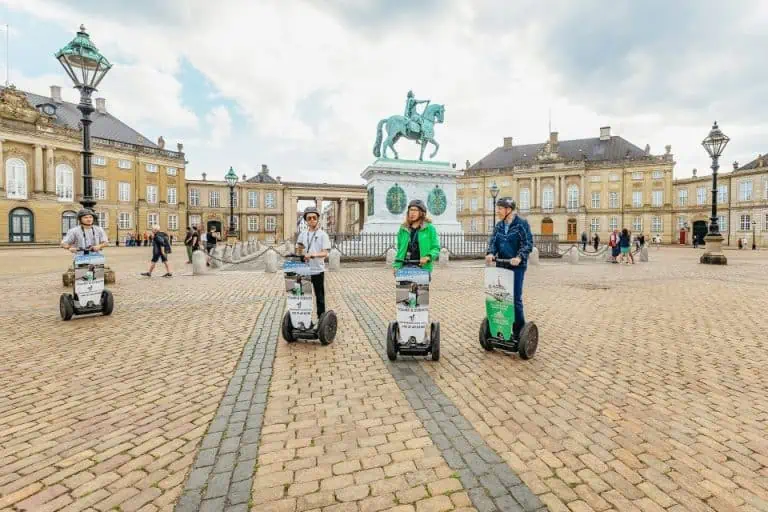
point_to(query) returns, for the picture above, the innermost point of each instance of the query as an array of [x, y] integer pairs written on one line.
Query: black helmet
[[418, 203], [311, 209], [506, 202], [83, 212]]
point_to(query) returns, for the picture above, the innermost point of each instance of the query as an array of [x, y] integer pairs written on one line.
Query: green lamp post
[[231, 179], [87, 68]]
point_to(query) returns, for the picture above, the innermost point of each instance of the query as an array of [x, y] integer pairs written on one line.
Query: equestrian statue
[[415, 126]]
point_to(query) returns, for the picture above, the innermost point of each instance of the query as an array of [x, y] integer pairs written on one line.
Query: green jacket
[[429, 245]]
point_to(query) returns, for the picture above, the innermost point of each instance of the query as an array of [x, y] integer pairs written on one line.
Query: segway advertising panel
[[499, 301], [412, 333], [88, 292], [298, 287]]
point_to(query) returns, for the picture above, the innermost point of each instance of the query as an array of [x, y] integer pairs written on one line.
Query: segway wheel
[[529, 340], [66, 306], [326, 327], [107, 303], [287, 328], [435, 339], [485, 335], [391, 341]]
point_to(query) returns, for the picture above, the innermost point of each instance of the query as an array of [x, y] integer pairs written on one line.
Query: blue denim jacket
[[513, 241]]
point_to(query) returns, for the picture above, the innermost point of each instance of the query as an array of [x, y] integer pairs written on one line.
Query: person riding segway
[[303, 267], [88, 295], [418, 246], [509, 246]]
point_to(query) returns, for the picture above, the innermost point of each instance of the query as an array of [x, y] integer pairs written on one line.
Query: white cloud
[[312, 84]]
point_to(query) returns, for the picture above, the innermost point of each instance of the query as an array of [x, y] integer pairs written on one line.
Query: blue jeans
[[517, 295]]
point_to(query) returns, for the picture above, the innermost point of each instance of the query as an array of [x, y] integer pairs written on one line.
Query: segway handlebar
[[408, 262]]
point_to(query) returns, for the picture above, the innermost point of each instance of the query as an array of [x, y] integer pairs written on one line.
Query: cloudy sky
[[301, 84]]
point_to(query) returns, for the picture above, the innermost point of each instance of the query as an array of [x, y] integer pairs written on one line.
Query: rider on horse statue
[[413, 116]]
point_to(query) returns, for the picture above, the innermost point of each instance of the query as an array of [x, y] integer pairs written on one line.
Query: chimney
[[244, 178], [204, 177], [101, 105], [507, 142], [735, 165], [694, 172], [56, 93], [605, 133], [278, 179], [553, 139], [264, 169]]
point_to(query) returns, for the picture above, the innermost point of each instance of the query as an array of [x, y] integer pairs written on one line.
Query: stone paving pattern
[[648, 391]]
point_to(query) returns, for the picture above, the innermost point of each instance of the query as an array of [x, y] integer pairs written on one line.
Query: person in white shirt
[[317, 244], [86, 236]]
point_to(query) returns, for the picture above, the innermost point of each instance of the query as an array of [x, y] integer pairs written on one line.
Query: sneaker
[[147, 274], [167, 274]]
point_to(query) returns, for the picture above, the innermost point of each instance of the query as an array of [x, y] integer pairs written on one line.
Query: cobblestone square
[[646, 393]]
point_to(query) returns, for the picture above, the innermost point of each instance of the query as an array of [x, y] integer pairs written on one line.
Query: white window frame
[[595, 178], [150, 167], [123, 191], [253, 199], [637, 199], [270, 201], [195, 220], [99, 160], [682, 197], [235, 220], [489, 203], [722, 194], [100, 189], [525, 199], [680, 222], [270, 220], [253, 223], [548, 197], [65, 192], [473, 225], [16, 178], [573, 196], [473, 204], [745, 190], [124, 220], [613, 199], [489, 224], [152, 219], [194, 197], [124, 164], [613, 177], [214, 198], [595, 199], [658, 175], [460, 204], [745, 217], [637, 224], [171, 171], [701, 196], [657, 226], [171, 193], [637, 175], [173, 222], [613, 223], [152, 194], [722, 223], [657, 198], [594, 225], [103, 219]]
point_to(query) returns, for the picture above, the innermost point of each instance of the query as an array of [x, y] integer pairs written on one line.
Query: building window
[[722, 194], [745, 190], [657, 198], [235, 221], [16, 178], [253, 223], [613, 199], [194, 221], [99, 160], [103, 218], [459, 204], [682, 197], [124, 164], [124, 191], [152, 219], [474, 185], [171, 195], [594, 225], [489, 203], [548, 198], [656, 224], [22, 225], [595, 178], [213, 198], [68, 221], [152, 194], [151, 167], [473, 204], [701, 196], [473, 225], [171, 171], [489, 225], [173, 222], [573, 197], [637, 199], [194, 197], [253, 200], [746, 225], [100, 189], [505, 183], [232, 198], [270, 224], [613, 177], [64, 182], [637, 175], [765, 222], [680, 222], [637, 224], [269, 200], [657, 175], [613, 223], [722, 222], [595, 199], [124, 220], [525, 199]]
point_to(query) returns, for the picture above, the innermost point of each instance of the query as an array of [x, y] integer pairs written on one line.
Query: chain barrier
[[249, 260]]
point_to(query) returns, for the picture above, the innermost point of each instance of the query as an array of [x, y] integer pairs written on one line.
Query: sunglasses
[[311, 217]]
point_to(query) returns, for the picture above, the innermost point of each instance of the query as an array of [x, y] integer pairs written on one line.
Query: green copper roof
[[82, 49]]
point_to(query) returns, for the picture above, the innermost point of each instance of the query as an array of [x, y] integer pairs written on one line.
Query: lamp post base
[[714, 253]]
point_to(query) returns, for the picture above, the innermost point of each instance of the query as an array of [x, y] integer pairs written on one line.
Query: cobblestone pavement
[[639, 398], [107, 412]]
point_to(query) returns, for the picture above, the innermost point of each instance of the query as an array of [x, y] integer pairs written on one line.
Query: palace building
[[136, 182]]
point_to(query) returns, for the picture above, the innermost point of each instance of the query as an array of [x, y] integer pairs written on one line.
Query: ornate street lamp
[[231, 178], [714, 144], [494, 189], [87, 68]]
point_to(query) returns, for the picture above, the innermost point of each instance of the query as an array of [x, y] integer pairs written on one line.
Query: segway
[[497, 327], [297, 321], [88, 292], [408, 335]]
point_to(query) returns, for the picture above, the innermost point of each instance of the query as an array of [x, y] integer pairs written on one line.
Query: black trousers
[[318, 283]]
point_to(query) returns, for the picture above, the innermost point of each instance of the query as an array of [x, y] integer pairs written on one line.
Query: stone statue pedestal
[[714, 254], [392, 184]]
